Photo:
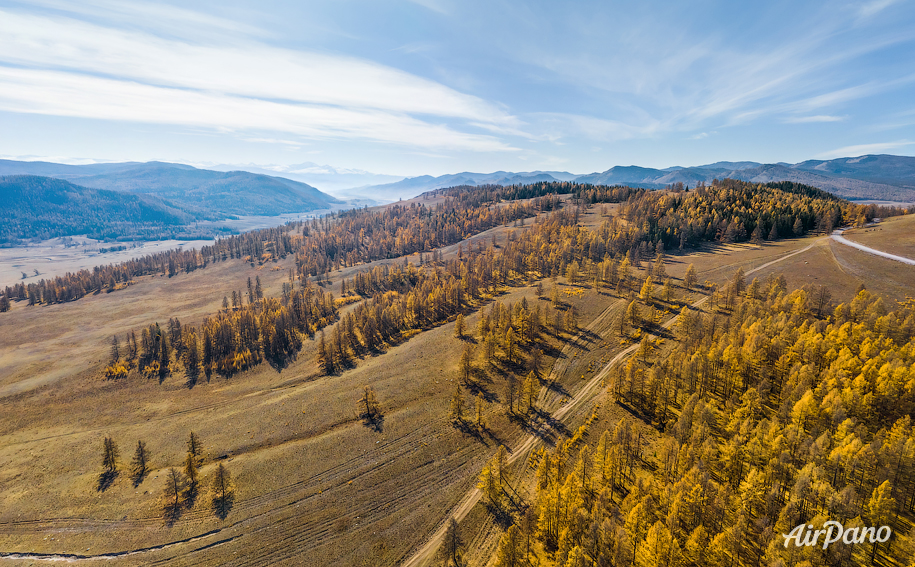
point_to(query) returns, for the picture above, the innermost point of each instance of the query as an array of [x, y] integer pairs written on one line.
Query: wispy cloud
[[63, 66], [816, 118], [874, 7], [84, 96], [864, 149], [440, 6]]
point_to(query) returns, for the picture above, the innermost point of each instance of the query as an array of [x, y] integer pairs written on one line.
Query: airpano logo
[[833, 532]]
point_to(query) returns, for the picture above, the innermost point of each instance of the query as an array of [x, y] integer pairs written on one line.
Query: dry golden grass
[[895, 235], [315, 486]]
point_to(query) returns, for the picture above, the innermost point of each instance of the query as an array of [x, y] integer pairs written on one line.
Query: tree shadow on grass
[[171, 512], [105, 480], [374, 420], [223, 505], [137, 477], [190, 496], [470, 430], [501, 517]]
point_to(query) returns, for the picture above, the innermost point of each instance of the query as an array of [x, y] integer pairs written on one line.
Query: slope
[[43, 207]]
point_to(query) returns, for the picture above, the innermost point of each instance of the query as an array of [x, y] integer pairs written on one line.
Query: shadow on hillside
[[222, 506], [105, 480]]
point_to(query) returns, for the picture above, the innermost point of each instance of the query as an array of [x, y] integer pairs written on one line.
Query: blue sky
[[441, 86]]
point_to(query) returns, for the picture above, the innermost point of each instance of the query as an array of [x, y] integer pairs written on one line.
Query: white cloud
[[864, 149], [67, 94], [817, 118], [63, 66]]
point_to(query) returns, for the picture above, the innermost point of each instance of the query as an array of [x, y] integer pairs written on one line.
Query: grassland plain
[[894, 235], [315, 486]]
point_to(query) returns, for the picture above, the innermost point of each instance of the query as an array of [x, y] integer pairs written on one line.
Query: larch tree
[[459, 327], [457, 404], [633, 318], [140, 464], [223, 491], [647, 288], [690, 279], [172, 491], [509, 553], [467, 363], [110, 456], [511, 392], [368, 407], [191, 473], [195, 448]]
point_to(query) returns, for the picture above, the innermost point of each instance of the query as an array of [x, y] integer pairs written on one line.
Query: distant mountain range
[[333, 179], [146, 199], [202, 193], [870, 177]]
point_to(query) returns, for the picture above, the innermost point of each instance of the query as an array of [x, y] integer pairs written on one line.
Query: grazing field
[[895, 235], [315, 484]]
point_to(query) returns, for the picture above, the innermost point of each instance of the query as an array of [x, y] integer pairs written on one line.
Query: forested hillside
[[42, 207], [731, 211], [201, 192], [772, 414]]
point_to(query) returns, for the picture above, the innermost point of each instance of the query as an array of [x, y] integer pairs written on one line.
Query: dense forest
[[772, 414]]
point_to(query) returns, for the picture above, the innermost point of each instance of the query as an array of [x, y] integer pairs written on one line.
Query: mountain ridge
[[194, 189]]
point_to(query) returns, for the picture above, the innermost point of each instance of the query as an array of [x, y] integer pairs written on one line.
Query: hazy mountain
[[59, 170], [876, 168], [867, 177], [44, 207], [231, 193], [412, 186], [324, 177], [729, 165], [847, 187]]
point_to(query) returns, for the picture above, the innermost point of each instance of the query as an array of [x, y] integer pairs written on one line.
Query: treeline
[[737, 211], [778, 414], [256, 246], [237, 338], [323, 245], [361, 235]]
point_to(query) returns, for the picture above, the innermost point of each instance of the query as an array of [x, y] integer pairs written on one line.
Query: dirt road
[[425, 553]]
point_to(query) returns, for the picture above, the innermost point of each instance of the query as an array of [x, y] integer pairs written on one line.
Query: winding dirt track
[[425, 553], [837, 236], [290, 496]]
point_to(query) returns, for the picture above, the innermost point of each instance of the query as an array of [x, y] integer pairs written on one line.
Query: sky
[[412, 87]]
